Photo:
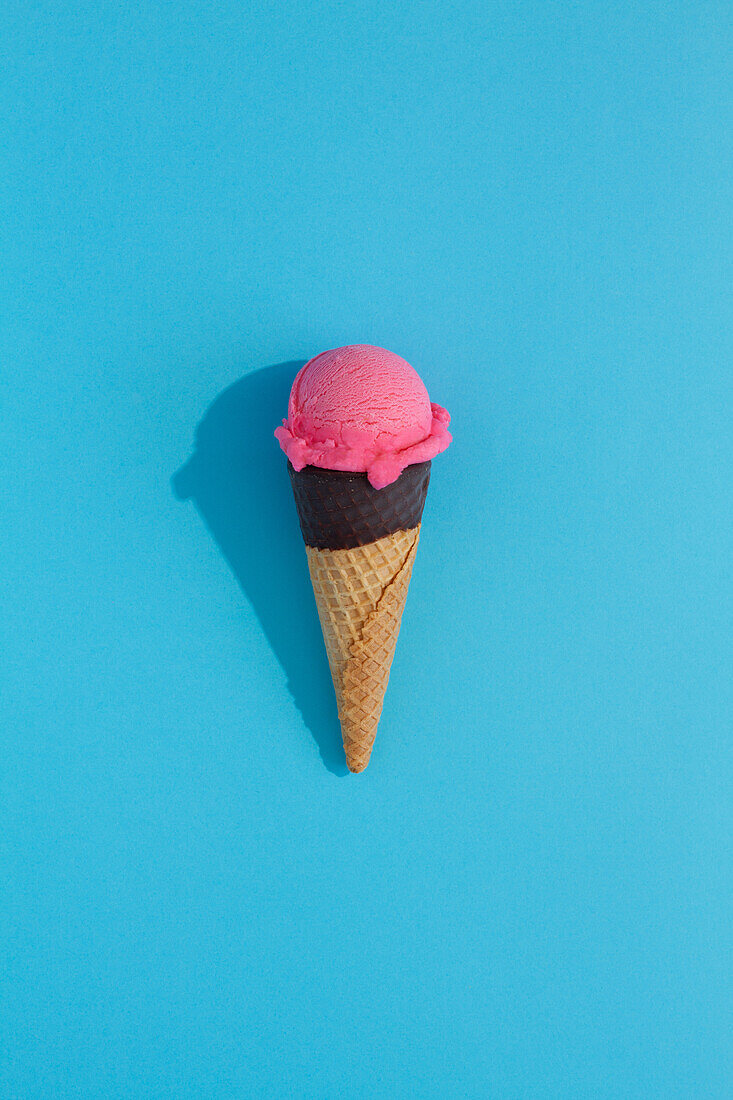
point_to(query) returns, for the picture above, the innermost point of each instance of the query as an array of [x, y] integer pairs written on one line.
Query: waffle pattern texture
[[360, 592], [341, 510]]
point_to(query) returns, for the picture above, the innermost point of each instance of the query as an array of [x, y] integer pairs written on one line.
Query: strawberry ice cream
[[364, 410]]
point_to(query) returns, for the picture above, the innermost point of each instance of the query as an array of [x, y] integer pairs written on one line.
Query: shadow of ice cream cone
[[237, 480]]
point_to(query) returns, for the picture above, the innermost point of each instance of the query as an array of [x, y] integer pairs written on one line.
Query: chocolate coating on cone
[[339, 511]]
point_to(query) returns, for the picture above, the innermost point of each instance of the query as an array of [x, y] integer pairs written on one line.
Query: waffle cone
[[360, 593]]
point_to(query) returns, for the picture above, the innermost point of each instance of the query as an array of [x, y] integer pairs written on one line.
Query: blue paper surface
[[527, 894]]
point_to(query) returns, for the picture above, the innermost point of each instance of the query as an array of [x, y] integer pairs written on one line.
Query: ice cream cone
[[361, 545], [360, 435]]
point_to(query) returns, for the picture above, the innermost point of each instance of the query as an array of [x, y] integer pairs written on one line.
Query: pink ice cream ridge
[[364, 410]]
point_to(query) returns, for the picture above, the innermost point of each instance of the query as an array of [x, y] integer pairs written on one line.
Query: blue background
[[527, 894]]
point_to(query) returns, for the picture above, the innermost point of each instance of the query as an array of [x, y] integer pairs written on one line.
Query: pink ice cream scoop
[[362, 409]]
